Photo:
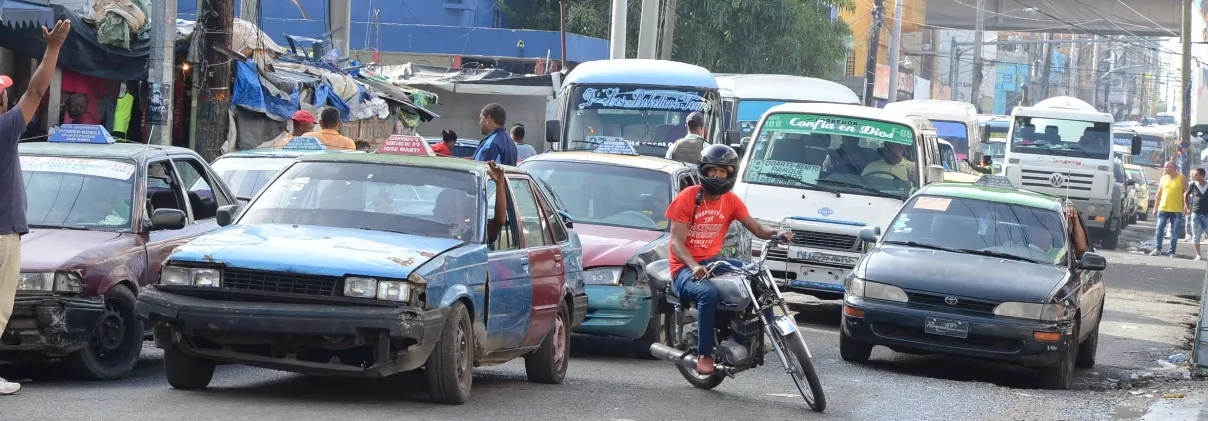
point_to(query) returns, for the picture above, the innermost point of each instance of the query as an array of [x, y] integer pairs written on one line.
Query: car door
[[509, 293], [545, 259], [161, 190], [205, 193], [1091, 289]]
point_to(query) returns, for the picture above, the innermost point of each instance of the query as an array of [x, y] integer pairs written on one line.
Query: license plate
[[834, 259], [945, 327]]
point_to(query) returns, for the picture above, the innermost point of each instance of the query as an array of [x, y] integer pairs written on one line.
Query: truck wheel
[[450, 366], [1143, 216], [187, 372], [654, 333], [548, 364], [1111, 239], [118, 342]]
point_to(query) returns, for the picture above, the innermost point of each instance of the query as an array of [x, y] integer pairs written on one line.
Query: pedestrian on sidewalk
[[523, 151], [1169, 210], [497, 146], [12, 185], [1197, 208]]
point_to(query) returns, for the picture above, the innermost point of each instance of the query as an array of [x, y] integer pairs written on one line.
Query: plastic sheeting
[[251, 94], [118, 20]]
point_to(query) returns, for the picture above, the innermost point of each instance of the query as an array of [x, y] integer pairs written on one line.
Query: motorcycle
[[746, 318]]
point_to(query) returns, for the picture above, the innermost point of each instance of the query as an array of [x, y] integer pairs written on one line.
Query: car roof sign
[[615, 147], [307, 143], [81, 133], [405, 145], [994, 181]]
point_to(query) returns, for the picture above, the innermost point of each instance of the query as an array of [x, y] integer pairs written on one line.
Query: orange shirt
[[707, 234], [333, 139]]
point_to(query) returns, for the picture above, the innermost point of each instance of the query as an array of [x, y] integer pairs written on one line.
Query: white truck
[[1062, 146]]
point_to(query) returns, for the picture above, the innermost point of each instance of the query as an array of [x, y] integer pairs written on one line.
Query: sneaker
[[1197, 257], [1155, 252], [9, 388]]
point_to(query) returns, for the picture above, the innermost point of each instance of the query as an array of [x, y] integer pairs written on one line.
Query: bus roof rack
[[999, 181]]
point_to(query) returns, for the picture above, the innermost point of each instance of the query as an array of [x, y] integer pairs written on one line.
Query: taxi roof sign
[[307, 143], [81, 133], [999, 181], [615, 147], [405, 145]]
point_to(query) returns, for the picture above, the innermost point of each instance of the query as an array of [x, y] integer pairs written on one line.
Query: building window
[[851, 64]]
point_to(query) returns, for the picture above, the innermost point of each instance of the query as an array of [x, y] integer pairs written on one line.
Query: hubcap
[[111, 334], [461, 354], [560, 339]]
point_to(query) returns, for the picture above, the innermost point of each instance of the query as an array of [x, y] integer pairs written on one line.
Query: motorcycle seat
[[659, 273]]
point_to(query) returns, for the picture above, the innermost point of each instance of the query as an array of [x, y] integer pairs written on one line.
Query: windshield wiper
[[802, 183], [865, 189], [926, 246], [58, 227], [992, 253], [384, 229]]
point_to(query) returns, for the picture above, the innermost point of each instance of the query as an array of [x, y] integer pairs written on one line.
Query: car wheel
[[187, 372], [118, 343], [1087, 350], [654, 333], [548, 364], [450, 366], [1143, 216], [1111, 239], [1061, 376], [852, 350]]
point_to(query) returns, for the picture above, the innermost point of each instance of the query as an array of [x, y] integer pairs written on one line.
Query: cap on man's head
[[5, 82], [303, 116], [696, 119]]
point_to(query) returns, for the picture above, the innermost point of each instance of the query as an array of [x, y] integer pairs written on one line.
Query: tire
[[1061, 376], [1087, 350], [186, 372], [1111, 239], [450, 366], [548, 364], [654, 333], [806, 376], [852, 350], [1132, 219], [672, 337], [1143, 216], [118, 343]]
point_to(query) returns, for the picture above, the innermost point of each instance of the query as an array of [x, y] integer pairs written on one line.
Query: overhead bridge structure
[[1143, 18]]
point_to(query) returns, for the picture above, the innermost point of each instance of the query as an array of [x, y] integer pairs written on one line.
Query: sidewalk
[[1138, 238]]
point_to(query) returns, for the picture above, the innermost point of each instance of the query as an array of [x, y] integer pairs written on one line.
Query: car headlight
[[183, 276], [1032, 311], [65, 281], [362, 287], [393, 291], [602, 276], [859, 287]]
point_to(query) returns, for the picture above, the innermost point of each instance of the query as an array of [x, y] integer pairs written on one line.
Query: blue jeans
[[1175, 219], [705, 296], [1199, 226]]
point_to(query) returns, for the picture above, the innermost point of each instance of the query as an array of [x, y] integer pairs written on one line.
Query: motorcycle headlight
[[1032, 311], [63, 281], [602, 276], [184, 276]]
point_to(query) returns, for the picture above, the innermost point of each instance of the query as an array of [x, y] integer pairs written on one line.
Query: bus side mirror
[[985, 135], [935, 174], [553, 131], [1136, 145], [733, 137]]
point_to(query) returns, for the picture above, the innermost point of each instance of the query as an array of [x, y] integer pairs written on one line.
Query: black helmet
[[721, 156]]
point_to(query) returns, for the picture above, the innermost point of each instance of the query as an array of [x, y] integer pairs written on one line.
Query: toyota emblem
[[1057, 180], [950, 300]]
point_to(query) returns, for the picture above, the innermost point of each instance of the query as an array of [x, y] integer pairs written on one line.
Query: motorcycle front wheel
[[801, 369]]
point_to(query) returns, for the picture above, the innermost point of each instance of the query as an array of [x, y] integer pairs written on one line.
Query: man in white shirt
[[893, 161], [523, 151]]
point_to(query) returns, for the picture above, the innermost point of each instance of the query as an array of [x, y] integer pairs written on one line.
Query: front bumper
[[900, 327], [51, 325], [337, 340], [807, 277], [615, 310]]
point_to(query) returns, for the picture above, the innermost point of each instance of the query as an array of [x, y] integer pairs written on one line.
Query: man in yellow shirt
[[329, 120], [1169, 207], [893, 161]]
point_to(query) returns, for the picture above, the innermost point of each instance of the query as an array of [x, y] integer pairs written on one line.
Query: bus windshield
[[1152, 149], [749, 113], [834, 154], [955, 133], [1061, 137], [651, 119]]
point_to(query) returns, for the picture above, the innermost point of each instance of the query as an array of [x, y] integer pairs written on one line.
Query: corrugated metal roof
[[18, 13]]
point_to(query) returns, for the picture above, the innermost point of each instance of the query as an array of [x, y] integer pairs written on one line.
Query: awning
[[18, 13]]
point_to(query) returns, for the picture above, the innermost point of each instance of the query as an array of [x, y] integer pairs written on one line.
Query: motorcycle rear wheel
[[672, 331], [801, 369]]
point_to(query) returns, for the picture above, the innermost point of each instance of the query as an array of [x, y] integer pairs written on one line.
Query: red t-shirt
[[442, 149], [713, 219]]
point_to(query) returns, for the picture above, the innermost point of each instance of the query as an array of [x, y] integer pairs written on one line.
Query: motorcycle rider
[[700, 217]]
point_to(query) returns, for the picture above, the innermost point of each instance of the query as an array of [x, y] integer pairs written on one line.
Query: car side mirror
[[226, 214], [1092, 261], [870, 234], [570, 221], [167, 219], [1136, 145], [553, 131], [935, 173], [1130, 183]]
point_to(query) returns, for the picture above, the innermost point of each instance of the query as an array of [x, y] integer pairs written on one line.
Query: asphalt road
[[1146, 320]]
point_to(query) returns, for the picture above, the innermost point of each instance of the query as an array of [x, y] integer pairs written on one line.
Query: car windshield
[[246, 176], [749, 112], [1061, 137], [424, 201], [948, 158], [78, 192], [1137, 175], [955, 133], [1152, 148], [607, 194], [649, 118], [834, 153], [997, 150], [981, 227]]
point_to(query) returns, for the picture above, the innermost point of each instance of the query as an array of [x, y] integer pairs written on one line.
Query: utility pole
[[648, 29], [215, 93], [668, 34], [162, 70], [895, 50], [978, 34], [1185, 122], [616, 36], [874, 41]]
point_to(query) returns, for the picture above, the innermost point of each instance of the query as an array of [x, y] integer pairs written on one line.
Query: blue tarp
[[250, 94], [324, 97]]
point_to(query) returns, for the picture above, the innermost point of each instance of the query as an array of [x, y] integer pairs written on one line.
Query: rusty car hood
[[605, 245], [49, 249]]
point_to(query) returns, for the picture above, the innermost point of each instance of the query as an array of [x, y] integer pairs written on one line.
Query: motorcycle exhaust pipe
[[673, 355]]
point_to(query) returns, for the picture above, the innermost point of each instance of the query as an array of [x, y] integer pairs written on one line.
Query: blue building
[[439, 32]]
